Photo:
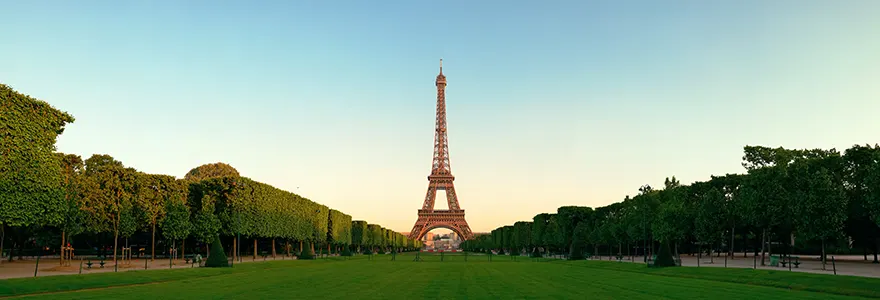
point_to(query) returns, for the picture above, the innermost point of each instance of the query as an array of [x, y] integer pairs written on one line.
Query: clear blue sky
[[550, 103]]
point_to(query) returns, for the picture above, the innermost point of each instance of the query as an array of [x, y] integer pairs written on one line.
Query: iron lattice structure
[[441, 179]]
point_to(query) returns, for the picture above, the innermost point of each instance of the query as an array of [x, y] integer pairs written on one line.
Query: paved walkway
[[853, 265]]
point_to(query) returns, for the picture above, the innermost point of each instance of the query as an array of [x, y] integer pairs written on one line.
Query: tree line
[[50, 199], [788, 200]]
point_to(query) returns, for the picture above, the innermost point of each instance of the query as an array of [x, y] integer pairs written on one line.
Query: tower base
[[430, 219]]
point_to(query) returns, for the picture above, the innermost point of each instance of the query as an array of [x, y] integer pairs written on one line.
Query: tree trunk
[[255, 248], [11, 251], [763, 238], [711, 258], [207, 250], [300, 247], [676, 249], [876, 246], [115, 242], [732, 235], [3, 238], [312, 247], [273, 247], [183, 248], [823, 254], [328, 249], [62, 247], [234, 247], [153, 244]]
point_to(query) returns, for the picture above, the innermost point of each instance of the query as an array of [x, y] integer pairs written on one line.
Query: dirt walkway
[[51, 266]]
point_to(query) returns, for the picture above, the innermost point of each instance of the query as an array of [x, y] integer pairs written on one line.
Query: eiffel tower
[[441, 179]]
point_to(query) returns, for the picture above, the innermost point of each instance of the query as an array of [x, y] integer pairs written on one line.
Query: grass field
[[453, 278]]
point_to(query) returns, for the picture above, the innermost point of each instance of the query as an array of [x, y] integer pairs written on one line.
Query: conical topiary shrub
[[306, 254], [217, 259], [664, 256]]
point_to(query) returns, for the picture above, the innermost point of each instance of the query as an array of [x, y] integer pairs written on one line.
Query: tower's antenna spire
[[441, 65]]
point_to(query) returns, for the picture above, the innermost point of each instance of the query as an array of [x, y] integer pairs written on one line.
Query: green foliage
[[507, 232], [522, 233], [31, 191], [376, 235], [579, 241], [539, 226], [217, 258], [821, 207], [359, 233], [664, 256], [108, 190], [552, 233], [708, 229], [205, 226], [339, 224], [176, 225], [567, 218], [215, 170], [72, 169]]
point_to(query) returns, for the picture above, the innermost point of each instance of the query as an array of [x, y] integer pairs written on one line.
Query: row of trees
[[799, 200], [48, 198]]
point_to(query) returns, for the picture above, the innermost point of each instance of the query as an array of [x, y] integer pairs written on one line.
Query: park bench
[[776, 261], [795, 262], [89, 263]]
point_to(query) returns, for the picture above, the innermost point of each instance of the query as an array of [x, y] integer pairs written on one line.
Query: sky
[[549, 103]]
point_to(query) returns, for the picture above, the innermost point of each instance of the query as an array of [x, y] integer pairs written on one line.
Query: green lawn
[[453, 278]]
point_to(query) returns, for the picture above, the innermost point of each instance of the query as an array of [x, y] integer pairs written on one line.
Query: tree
[[861, 163], [539, 227], [522, 235], [72, 168], [359, 234], [377, 237], [552, 235], [707, 227], [109, 188], [215, 170], [151, 200], [821, 210], [176, 225], [567, 218], [31, 191], [668, 224], [579, 241]]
